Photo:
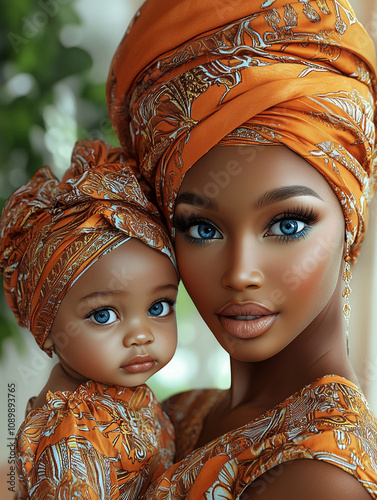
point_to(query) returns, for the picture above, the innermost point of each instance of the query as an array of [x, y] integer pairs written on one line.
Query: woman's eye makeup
[[291, 225], [161, 308], [103, 316], [196, 229]]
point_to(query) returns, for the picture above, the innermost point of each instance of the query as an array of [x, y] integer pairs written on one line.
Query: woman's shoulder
[[321, 441], [326, 422], [309, 479], [334, 404]]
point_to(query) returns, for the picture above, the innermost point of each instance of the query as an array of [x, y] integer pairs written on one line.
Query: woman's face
[[260, 242]]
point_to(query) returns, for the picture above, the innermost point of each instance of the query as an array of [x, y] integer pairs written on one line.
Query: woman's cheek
[[191, 273], [196, 272], [313, 273]]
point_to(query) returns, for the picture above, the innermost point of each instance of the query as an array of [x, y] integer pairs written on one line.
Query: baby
[[89, 269]]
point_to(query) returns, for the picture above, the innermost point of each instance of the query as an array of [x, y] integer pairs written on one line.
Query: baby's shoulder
[[64, 410]]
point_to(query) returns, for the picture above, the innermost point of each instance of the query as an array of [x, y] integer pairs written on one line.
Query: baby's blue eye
[[288, 227], [103, 316], [203, 231], [161, 308]]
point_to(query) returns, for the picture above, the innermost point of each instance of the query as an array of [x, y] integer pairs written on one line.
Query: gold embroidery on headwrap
[[302, 74]]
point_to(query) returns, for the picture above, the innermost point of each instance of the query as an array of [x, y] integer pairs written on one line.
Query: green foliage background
[[30, 44]]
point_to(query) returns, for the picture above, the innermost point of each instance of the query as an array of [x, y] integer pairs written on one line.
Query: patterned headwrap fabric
[[190, 74], [52, 231]]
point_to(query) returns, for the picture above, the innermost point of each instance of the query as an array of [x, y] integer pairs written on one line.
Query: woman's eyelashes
[[291, 225], [196, 229], [288, 229], [287, 226]]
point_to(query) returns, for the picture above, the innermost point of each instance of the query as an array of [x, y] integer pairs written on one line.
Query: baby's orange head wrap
[[191, 74], [52, 231]]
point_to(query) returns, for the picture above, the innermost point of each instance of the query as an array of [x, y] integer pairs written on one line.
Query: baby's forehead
[[131, 270], [125, 263]]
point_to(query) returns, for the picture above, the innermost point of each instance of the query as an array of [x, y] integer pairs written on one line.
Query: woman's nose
[[243, 267], [138, 337]]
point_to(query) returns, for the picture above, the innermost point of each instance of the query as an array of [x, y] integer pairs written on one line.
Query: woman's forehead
[[257, 169]]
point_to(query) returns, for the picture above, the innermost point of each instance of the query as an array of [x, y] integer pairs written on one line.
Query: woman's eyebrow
[[197, 200], [283, 193]]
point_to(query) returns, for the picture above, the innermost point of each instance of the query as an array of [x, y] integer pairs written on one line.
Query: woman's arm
[[306, 480]]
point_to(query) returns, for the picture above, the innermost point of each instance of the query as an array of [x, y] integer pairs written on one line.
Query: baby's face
[[117, 323]]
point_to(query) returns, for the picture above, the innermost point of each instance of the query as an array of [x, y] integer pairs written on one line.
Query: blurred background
[[55, 56]]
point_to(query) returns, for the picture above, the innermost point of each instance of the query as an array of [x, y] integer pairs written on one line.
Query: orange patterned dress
[[327, 420], [99, 442]]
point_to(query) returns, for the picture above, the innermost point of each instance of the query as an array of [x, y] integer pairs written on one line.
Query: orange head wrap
[[190, 74], [52, 231]]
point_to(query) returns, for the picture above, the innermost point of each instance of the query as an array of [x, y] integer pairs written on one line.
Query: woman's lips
[[246, 320], [139, 364]]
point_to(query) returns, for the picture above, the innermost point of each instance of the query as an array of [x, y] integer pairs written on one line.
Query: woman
[[228, 112]]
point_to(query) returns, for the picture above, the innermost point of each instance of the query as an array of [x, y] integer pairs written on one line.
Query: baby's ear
[[48, 344]]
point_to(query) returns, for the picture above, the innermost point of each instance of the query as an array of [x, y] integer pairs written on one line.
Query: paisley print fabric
[[99, 442], [191, 74], [328, 420], [52, 231]]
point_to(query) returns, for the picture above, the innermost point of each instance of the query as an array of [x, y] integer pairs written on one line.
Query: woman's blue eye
[[196, 229], [204, 232], [288, 227], [161, 308], [103, 316]]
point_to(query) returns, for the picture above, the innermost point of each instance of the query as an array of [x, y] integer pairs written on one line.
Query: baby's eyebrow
[[283, 193], [167, 286], [102, 293]]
